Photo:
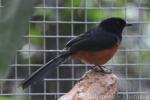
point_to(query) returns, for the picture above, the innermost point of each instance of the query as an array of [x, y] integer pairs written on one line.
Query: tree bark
[[95, 85]]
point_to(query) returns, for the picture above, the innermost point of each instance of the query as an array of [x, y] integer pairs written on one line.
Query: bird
[[96, 46]]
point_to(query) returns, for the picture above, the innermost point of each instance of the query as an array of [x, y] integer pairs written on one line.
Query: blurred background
[[32, 32]]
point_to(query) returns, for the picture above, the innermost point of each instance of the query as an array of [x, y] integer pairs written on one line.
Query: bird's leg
[[97, 68], [106, 70], [103, 69], [85, 75]]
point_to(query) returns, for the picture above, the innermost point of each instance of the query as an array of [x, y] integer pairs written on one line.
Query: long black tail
[[41, 72]]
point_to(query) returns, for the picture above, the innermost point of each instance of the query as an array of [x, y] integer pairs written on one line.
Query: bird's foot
[[98, 68], [102, 69]]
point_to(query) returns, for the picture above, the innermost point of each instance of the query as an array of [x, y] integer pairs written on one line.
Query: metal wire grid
[[128, 83]]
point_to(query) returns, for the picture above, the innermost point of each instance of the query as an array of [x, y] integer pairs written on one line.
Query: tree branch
[[95, 85]]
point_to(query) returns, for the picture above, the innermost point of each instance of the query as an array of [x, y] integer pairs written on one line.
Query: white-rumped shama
[[96, 46]]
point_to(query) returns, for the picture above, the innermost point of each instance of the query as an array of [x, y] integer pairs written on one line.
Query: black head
[[114, 25]]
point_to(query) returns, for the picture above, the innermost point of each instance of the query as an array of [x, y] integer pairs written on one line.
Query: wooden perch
[[94, 86]]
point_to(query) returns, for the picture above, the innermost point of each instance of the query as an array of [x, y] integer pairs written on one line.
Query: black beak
[[129, 24]]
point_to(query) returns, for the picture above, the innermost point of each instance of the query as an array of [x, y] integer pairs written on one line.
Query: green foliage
[[96, 14], [144, 57], [13, 24], [147, 16], [6, 98], [36, 31]]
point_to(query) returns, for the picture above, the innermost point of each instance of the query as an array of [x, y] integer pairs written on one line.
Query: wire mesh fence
[[54, 22]]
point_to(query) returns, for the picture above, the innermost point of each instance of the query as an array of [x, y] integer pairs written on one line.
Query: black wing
[[92, 40], [80, 38]]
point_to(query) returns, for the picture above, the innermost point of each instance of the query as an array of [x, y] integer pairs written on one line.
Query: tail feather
[[41, 72]]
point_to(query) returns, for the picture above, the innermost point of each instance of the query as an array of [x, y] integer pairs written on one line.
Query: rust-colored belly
[[97, 58]]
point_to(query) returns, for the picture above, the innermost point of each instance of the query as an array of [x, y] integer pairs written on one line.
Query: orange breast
[[97, 58]]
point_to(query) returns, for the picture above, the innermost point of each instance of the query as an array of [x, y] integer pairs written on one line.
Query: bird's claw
[[102, 69]]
